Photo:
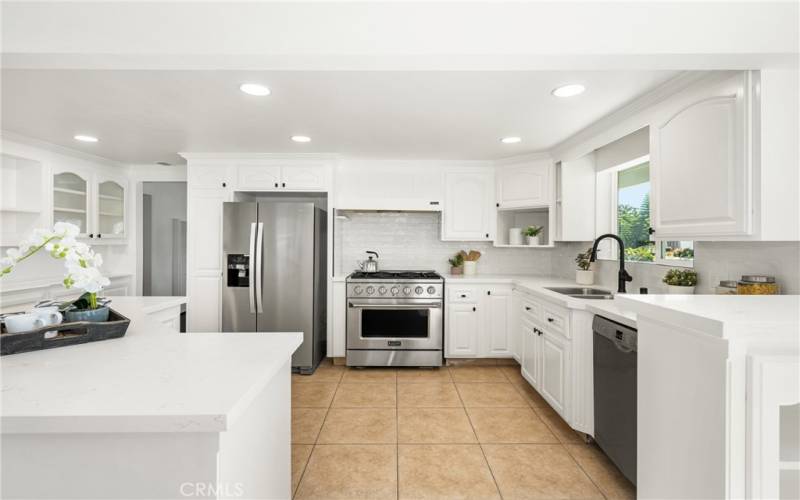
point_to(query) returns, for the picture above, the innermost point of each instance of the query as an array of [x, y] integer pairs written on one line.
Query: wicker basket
[[77, 332]]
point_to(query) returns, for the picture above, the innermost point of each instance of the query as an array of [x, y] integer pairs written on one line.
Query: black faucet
[[623, 275]]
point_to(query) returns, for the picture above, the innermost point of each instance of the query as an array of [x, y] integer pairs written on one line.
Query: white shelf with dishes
[[517, 220], [22, 198]]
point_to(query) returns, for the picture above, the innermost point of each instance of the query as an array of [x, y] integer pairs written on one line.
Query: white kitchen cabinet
[[469, 210], [95, 202], [526, 184], [554, 352], [463, 330], [701, 151], [22, 198], [531, 352], [208, 175], [274, 175], [575, 199], [389, 185], [497, 322], [337, 343]]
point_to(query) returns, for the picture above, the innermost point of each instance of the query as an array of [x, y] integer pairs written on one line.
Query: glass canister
[[753, 284], [726, 287]]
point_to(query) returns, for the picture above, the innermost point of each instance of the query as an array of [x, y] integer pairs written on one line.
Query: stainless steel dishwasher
[[615, 393]]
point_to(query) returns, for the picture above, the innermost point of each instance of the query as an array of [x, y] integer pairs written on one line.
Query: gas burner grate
[[393, 275]]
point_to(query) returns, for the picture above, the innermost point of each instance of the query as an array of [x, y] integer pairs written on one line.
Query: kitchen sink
[[582, 293]]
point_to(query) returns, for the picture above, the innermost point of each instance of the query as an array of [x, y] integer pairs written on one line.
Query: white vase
[[470, 266], [584, 277], [533, 240], [680, 290], [515, 236]]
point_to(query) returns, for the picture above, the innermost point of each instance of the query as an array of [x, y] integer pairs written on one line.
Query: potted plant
[[470, 261], [83, 267], [456, 264], [533, 235], [681, 281], [584, 275]]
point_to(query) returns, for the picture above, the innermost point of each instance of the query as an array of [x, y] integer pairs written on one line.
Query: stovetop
[[395, 275]]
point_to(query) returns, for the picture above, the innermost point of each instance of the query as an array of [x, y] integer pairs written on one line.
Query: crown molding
[[6, 135]]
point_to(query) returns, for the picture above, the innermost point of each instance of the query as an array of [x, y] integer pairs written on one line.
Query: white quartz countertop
[[151, 380], [725, 316]]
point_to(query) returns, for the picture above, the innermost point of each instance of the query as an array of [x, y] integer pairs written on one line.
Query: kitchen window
[[629, 204]]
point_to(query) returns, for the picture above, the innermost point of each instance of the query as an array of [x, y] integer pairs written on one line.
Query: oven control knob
[[370, 290], [431, 290], [382, 290], [418, 290], [406, 291], [395, 290], [357, 290]]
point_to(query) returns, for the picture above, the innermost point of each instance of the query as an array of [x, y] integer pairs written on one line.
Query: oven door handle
[[418, 305]]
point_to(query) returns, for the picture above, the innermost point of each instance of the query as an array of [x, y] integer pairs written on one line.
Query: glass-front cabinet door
[[110, 209], [71, 200]]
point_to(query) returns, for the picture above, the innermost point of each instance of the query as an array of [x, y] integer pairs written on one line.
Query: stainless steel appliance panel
[[238, 241], [397, 324], [285, 284]]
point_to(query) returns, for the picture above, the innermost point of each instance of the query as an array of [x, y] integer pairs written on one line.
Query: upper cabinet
[[22, 198], [271, 175], [469, 205], [575, 199], [525, 185], [94, 202], [701, 161], [388, 185]]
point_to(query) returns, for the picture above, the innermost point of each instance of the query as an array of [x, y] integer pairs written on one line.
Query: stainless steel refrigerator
[[275, 265]]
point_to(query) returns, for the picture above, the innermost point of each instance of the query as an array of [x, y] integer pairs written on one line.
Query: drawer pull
[[527, 308], [488, 292], [463, 296], [550, 320]]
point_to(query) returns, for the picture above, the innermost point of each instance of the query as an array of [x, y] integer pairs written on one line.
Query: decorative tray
[[76, 332]]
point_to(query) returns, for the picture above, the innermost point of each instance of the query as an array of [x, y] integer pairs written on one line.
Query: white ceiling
[[149, 116]]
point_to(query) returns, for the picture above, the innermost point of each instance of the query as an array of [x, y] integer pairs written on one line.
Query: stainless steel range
[[395, 318]]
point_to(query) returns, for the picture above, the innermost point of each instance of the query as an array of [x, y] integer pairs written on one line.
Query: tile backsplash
[[411, 240]]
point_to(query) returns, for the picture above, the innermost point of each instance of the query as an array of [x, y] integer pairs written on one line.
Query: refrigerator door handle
[[259, 264], [251, 261]]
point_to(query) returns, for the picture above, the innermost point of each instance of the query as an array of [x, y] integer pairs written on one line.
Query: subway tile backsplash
[[411, 240]]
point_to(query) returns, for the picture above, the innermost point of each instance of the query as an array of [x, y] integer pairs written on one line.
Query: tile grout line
[[480, 445], [602, 492]]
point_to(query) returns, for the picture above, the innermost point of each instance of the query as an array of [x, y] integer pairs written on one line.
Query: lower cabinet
[[531, 347], [478, 322], [554, 352]]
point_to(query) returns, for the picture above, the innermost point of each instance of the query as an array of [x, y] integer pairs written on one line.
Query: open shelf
[[69, 210], [521, 218], [69, 191]]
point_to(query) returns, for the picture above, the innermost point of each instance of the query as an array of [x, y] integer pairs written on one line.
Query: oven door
[[398, 324]]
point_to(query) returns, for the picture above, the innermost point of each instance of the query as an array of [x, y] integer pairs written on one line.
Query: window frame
[[612, 251]]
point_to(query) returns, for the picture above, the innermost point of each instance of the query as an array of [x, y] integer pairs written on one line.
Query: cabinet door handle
[[527, 308], [276, 184], [99, 235], [487, 235], [283, 184], [497, 205], [224, 184], [550, 320], [488, 292], [91, 235], [474, 309], [463, 296]]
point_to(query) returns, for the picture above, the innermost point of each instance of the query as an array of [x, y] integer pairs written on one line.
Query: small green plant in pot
[[533, 235], [456, 264], [681, 281], [584, 275]]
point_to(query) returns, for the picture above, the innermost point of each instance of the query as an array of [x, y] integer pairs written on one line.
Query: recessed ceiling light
[[85, 138], [254, 89], [570, 90], [301, 138], [510, 140]]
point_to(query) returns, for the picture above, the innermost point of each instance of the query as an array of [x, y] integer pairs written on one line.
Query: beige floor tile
[[434, 425], [417, 375], [325, 372], [509, 425], [335, 471], [477, 374], [557, 425], [513, 374], [306, 423], [490, 395], [359, 426], [472, 362], [602, 471], [507, 362], [300, 454], [538, 471], [370, 375], [363, 395], [427, 396], [439, 471], [312, 395], [531, 395]]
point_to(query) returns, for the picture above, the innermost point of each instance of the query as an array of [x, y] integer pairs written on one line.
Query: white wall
[[168, 203], [411, 240]]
